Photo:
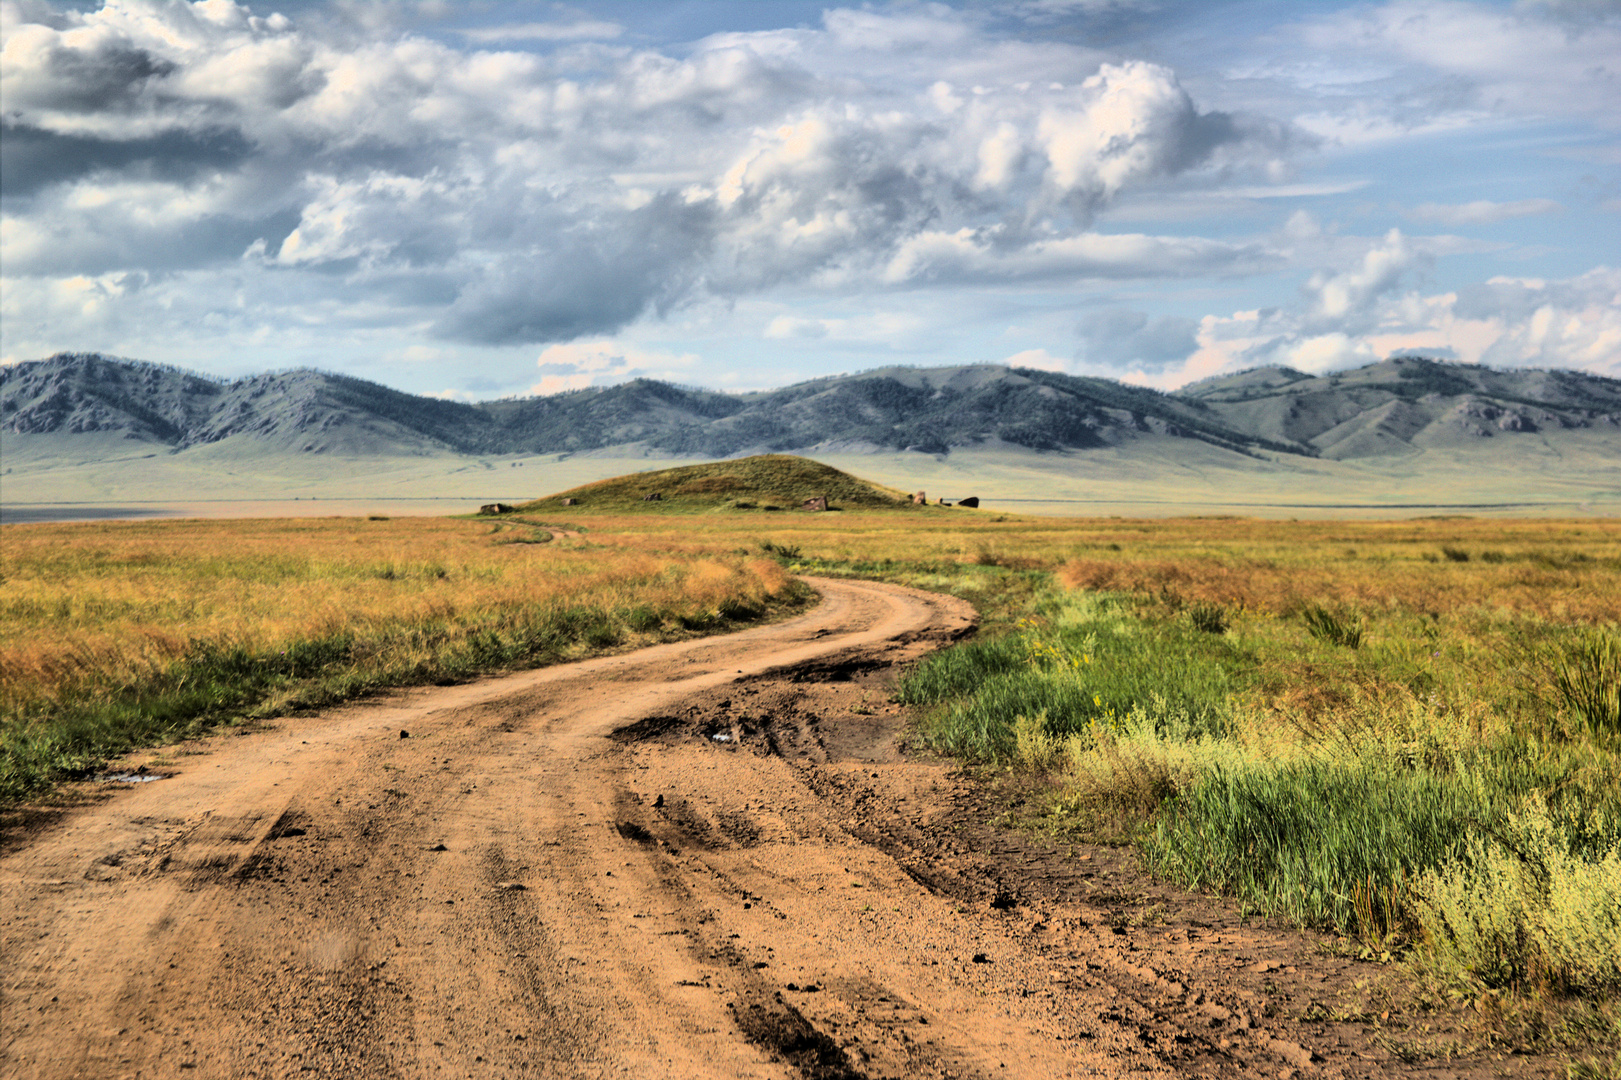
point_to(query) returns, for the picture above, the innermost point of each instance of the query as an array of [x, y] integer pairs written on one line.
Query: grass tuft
[[1586, 675], [1336, 629]]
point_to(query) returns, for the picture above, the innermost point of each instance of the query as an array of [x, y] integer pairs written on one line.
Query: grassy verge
[[1439, 783], [131, 635]]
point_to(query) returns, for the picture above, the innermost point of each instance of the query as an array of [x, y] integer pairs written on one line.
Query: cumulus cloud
[[1347, 298], [1507, 322], [502, 197], [576, 365]]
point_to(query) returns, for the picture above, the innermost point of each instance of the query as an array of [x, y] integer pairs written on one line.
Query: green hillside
[[762, 483]]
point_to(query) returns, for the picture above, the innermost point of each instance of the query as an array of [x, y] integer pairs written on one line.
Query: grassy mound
[[764, 482]]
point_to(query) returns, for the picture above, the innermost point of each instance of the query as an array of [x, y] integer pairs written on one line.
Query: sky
[[487, 199]]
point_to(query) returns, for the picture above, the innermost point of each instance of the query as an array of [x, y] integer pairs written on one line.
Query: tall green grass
[[1417, 791], [1078, 664], [1586, 674]]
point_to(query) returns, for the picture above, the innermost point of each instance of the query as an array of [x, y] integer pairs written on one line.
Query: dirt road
[[678, 862]]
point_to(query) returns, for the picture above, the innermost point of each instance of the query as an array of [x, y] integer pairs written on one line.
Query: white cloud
[[575, 365], [1040, 359], [1508, 322], [1347, 296], [784, 327], [1459, 62], [1326, 352], [529, 198], [1482, 211], [969, 255], [579, 30]]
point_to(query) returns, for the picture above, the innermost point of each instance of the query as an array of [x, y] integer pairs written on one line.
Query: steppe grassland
[[1393, 729], [1408, 733], [117, 635]]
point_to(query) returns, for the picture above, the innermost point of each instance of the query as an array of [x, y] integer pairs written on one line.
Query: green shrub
[[1323, 843], [1088, 664]]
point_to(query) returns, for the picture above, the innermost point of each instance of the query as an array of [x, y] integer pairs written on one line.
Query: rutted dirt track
[[675, 862]]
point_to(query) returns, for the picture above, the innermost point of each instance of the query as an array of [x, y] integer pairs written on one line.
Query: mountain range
[[1401, 406]]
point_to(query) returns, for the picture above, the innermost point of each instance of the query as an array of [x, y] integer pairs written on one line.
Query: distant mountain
[[1405, 405], [1399, 406]]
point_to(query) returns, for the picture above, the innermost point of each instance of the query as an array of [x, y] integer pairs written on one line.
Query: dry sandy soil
[[707, 859]]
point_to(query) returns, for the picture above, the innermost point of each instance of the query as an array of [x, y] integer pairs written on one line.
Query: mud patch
[[652, 727], [691, 823], [781, 1028], [635, 833], [835, 669], [290, 823], [738, 827]]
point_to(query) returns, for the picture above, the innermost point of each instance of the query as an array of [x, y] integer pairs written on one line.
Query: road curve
[[523, 887]]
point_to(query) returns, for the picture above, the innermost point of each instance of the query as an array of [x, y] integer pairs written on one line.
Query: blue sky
[[486, 199]]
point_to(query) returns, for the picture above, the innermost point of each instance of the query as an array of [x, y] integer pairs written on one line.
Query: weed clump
[[1336, 629], [1209, 618], [1586, 675]]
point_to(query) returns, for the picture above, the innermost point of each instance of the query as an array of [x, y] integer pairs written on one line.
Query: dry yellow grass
[[106, 603], [97, 606]]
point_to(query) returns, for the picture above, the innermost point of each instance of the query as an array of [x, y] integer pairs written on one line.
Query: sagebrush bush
[[1524, 907]]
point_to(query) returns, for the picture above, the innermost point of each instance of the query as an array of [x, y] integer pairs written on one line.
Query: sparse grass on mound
[[765, 483]]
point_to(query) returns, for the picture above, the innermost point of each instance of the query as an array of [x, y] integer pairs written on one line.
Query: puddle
[[131, 778]]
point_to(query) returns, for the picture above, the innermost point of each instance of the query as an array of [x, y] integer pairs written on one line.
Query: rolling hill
[[764, 482], [1397, 406]]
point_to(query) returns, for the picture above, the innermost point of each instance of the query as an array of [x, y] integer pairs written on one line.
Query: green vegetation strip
[[1455, 801]]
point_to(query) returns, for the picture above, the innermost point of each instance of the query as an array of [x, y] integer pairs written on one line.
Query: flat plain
[[1332, 796]]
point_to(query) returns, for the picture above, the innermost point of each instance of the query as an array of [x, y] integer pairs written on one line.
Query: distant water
[[20, 515], [36, 513]]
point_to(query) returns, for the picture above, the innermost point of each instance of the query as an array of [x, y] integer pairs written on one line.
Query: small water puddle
[[131, 777]]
